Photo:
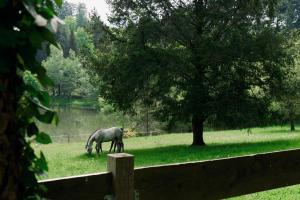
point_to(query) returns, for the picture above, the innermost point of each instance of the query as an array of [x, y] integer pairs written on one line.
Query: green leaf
[[41, 163], [45, 80], [36, 39], [30, 109], [59, 3], [47, 13], [42, 95], [43, 138], [20, 59], [32, 129], [55, 119], [29, 152], [47, 117]]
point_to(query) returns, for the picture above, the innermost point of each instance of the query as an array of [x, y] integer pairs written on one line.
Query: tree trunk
[[292, 125], [147, 121], [10, 146], [291, 109], [197, 125], [59, 90]]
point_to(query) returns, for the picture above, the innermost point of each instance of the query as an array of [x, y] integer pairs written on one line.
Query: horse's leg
[[122, 146], [111, 146], [97, 148], [115, 145], [101, 147], [119, 146]]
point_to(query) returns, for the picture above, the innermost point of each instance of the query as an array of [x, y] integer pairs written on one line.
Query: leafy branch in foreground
[[25, 25]]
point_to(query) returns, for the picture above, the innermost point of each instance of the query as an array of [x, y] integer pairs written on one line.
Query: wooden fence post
[[122, 167]]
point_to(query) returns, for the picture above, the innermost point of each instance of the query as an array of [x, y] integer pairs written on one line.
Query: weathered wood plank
[[122, 167], [213, 179], [218, 179], [91, 186]]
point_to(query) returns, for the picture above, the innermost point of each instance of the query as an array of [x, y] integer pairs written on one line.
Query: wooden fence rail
[[214, 179]]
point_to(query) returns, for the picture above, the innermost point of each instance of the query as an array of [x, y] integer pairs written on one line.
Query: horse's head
[[89, 149], [89, 142], [89, 146]]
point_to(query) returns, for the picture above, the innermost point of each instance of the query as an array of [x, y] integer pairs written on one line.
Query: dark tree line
[[66, 33]]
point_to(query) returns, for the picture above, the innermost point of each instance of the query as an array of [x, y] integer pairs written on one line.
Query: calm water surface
[[76, 122]]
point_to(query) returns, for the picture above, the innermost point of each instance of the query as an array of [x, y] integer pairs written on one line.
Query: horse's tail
[[121, 144], [122, 129]]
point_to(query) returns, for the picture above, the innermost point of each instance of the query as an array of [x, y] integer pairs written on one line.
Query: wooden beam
[[214, 179], [90, 186], [217, 179]]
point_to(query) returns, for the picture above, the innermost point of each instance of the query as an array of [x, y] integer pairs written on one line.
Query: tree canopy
[[290, 13], [193, 60], [286, 102], [68, 75]]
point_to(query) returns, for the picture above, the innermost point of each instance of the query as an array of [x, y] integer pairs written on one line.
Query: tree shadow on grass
[[186, 153], [85, 156], [283, 131]]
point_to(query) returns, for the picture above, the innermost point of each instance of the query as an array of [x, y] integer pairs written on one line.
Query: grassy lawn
[[71, 159], [73, 102]]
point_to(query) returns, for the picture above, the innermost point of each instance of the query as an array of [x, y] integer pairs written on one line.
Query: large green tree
[[75, 17], [81, 15], [287, 102], [97, 30], [193, 59], [67, 9]]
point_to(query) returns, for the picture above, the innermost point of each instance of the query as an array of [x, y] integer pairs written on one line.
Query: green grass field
[[75, 103], [71, 159]]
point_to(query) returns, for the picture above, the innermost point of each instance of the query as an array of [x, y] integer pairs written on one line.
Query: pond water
[[76, 123]]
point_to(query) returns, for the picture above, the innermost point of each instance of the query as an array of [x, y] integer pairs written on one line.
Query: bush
[[129, 133]]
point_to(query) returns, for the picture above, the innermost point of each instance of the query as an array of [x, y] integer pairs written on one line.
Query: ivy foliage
[[25, 25]]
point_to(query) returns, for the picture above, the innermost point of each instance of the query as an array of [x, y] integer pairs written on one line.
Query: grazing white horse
[[113, 134]]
